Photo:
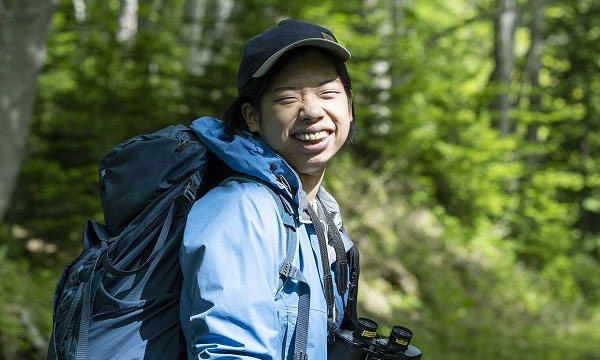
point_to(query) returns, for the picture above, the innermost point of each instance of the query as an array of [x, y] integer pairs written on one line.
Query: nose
[[311, 109]]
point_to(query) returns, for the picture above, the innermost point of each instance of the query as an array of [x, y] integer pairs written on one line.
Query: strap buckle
[[186, 198], [189, 193]]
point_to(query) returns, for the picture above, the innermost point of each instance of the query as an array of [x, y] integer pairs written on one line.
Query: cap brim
[[328, 45]]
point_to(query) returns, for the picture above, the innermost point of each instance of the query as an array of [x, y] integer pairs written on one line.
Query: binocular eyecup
[[363, 343]]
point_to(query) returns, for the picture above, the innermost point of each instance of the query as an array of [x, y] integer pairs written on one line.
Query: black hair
[[255, 89]]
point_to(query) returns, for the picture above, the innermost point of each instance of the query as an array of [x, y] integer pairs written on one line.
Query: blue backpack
[[119, 299]]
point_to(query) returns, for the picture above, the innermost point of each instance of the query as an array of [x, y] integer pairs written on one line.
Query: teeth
[[312, 136]]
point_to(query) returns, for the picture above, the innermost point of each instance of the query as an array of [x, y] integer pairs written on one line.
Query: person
[[293, 113]]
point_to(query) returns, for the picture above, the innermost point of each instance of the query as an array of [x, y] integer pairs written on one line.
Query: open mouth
[[312, 137]]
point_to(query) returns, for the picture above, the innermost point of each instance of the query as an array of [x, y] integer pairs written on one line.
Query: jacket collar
[[248, 154], [328, 202]]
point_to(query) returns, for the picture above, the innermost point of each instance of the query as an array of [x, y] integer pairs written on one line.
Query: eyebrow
[[282, 88]]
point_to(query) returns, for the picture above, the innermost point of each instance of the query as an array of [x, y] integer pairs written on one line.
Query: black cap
[[263, 50]]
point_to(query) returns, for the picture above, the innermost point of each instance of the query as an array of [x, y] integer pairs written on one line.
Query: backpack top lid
[[140, 169]]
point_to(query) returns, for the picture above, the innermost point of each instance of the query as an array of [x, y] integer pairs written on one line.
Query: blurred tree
[[481, 237], [505, 25], [23, 33], [534, 65]]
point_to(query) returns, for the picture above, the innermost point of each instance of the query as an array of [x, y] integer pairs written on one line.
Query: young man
[[292, 115]]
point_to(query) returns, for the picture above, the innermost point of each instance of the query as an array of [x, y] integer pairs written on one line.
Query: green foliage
[[25, 296], [485, 244], [463, 292]]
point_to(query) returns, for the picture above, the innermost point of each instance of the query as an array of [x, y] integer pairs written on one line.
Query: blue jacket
[[233, 246]]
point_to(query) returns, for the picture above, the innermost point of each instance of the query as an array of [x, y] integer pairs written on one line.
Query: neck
[[311, 184]]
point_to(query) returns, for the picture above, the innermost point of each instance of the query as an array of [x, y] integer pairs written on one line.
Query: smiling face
[[305, 113]]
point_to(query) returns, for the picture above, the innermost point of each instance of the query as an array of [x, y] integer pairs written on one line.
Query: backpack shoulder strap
[[287, 269]]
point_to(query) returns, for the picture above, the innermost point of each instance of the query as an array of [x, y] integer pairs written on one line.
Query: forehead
[[309, 68]]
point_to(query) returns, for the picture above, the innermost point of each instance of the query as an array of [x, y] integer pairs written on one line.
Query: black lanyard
[[342, 280]]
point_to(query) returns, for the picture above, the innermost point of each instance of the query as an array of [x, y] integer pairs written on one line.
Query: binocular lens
[[366, 329], [400, 337]]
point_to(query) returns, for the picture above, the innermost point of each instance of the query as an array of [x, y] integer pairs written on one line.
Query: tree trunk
[[128, 21], [222, 29], [396, 11], [397, 15], [209, 29], [80, 11], [504, 33], [215, 42], [195, 12], [24, 28], [534, 64]]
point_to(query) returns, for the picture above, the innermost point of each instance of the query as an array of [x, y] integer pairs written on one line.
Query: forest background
[[473, 190]]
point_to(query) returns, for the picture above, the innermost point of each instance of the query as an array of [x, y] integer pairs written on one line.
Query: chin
[[311, 167]]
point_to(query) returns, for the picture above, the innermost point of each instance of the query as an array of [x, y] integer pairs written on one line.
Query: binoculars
[[363, 343], [357, 338]]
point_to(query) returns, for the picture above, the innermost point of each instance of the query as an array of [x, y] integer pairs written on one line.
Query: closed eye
[[285, 100], [329, 94]]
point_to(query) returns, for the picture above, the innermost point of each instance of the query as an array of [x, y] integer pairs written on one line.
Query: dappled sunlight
[[471, 188]]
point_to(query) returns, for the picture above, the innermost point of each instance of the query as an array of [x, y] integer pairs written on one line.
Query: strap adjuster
[[189, 193], [186, 198], [300, 356], [289, 271], [285, 269]]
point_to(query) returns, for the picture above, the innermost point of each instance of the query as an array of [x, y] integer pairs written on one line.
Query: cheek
[[343, 113], [283, 120], [275, 125]]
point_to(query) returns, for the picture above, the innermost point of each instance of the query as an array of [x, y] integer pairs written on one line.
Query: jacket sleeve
[[233, 242]]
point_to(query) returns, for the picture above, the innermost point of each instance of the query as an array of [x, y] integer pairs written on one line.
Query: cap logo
[[328, 37]]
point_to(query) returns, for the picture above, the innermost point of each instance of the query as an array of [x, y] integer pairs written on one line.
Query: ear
[[251, 117]]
